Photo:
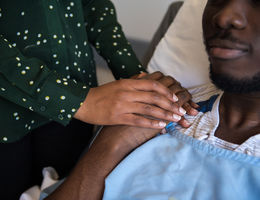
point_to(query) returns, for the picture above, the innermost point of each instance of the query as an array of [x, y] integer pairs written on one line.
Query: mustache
[[227, 35]]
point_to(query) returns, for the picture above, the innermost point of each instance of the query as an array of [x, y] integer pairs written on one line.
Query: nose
[[232, 15]]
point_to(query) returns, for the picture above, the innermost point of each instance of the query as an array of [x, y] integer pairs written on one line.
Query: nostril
[[230, 18], [240, 22]]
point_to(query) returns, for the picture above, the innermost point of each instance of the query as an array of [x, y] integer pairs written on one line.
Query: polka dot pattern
[[53, 79]]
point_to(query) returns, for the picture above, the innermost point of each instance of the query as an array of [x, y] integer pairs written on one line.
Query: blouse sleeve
[[29, 83], [106, 35]]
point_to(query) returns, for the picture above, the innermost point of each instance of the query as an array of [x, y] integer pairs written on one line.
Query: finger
[[190, 111], [155, 112], [163, 131], [152, 85], [184, 96], [153, 98], [168, 81], [176, 87], [141, 121], [194, 105], [139, 76], [184, 123], [154, 76]]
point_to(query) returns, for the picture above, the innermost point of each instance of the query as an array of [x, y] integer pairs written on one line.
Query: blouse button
[[60, 116], [42, 108]]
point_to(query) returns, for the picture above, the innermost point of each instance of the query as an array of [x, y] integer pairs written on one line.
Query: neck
[[239, 117], [243, 106]]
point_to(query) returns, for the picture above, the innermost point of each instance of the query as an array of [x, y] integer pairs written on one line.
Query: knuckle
[[177, 84], [124, 120], [154, 83], [185, 93], [183, 98], [165, 114], [172, 105], [147, 108], [153, 123], [155, 96], [170, 79], [135, 120], [117, 105], [158, 73], [121, 94], [175, 106], [176, 88]]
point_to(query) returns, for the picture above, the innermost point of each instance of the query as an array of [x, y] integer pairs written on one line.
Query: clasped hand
[[147, 101]]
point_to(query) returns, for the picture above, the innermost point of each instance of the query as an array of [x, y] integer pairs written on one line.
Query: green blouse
[[46, 62]]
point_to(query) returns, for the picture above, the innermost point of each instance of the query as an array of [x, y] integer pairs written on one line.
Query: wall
[[140, 18]]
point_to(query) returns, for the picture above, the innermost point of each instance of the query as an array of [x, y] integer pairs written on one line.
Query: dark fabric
[[50, 145], [15, 168], [166, 22], [46, 60]]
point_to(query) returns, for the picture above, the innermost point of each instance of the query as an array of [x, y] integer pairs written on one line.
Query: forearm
[[111, 146], [87, 179]]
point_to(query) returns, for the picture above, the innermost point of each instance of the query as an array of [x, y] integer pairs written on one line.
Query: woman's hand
[[142, 102], [149, 100]]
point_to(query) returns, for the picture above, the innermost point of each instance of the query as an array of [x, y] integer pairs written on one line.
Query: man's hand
[[136, 102], [184, 97]]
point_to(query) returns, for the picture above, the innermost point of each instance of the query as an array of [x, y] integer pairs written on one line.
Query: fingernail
[[197, 106], [176, 117], [187, 123], [162, 124], [175, 98], [182, 111], [195, 111], [163, 131]]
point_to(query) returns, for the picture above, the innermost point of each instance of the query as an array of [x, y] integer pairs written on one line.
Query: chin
[[230, 68], [233, 84]]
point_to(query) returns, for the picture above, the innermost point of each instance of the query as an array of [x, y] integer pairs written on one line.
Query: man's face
[[232, 37]]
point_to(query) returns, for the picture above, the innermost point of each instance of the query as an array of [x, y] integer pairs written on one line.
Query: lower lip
[[226, 54]]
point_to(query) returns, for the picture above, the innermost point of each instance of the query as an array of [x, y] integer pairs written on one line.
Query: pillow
[[181, 52]]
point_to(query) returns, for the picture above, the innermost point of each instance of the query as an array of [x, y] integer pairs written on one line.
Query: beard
[[233, 85]]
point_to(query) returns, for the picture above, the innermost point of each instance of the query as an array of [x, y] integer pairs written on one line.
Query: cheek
[[254, 62], [256, 43], [255, 55], [254, 30], [206, 24]]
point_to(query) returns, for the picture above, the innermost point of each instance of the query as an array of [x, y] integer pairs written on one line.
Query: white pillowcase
[[181, 52]]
